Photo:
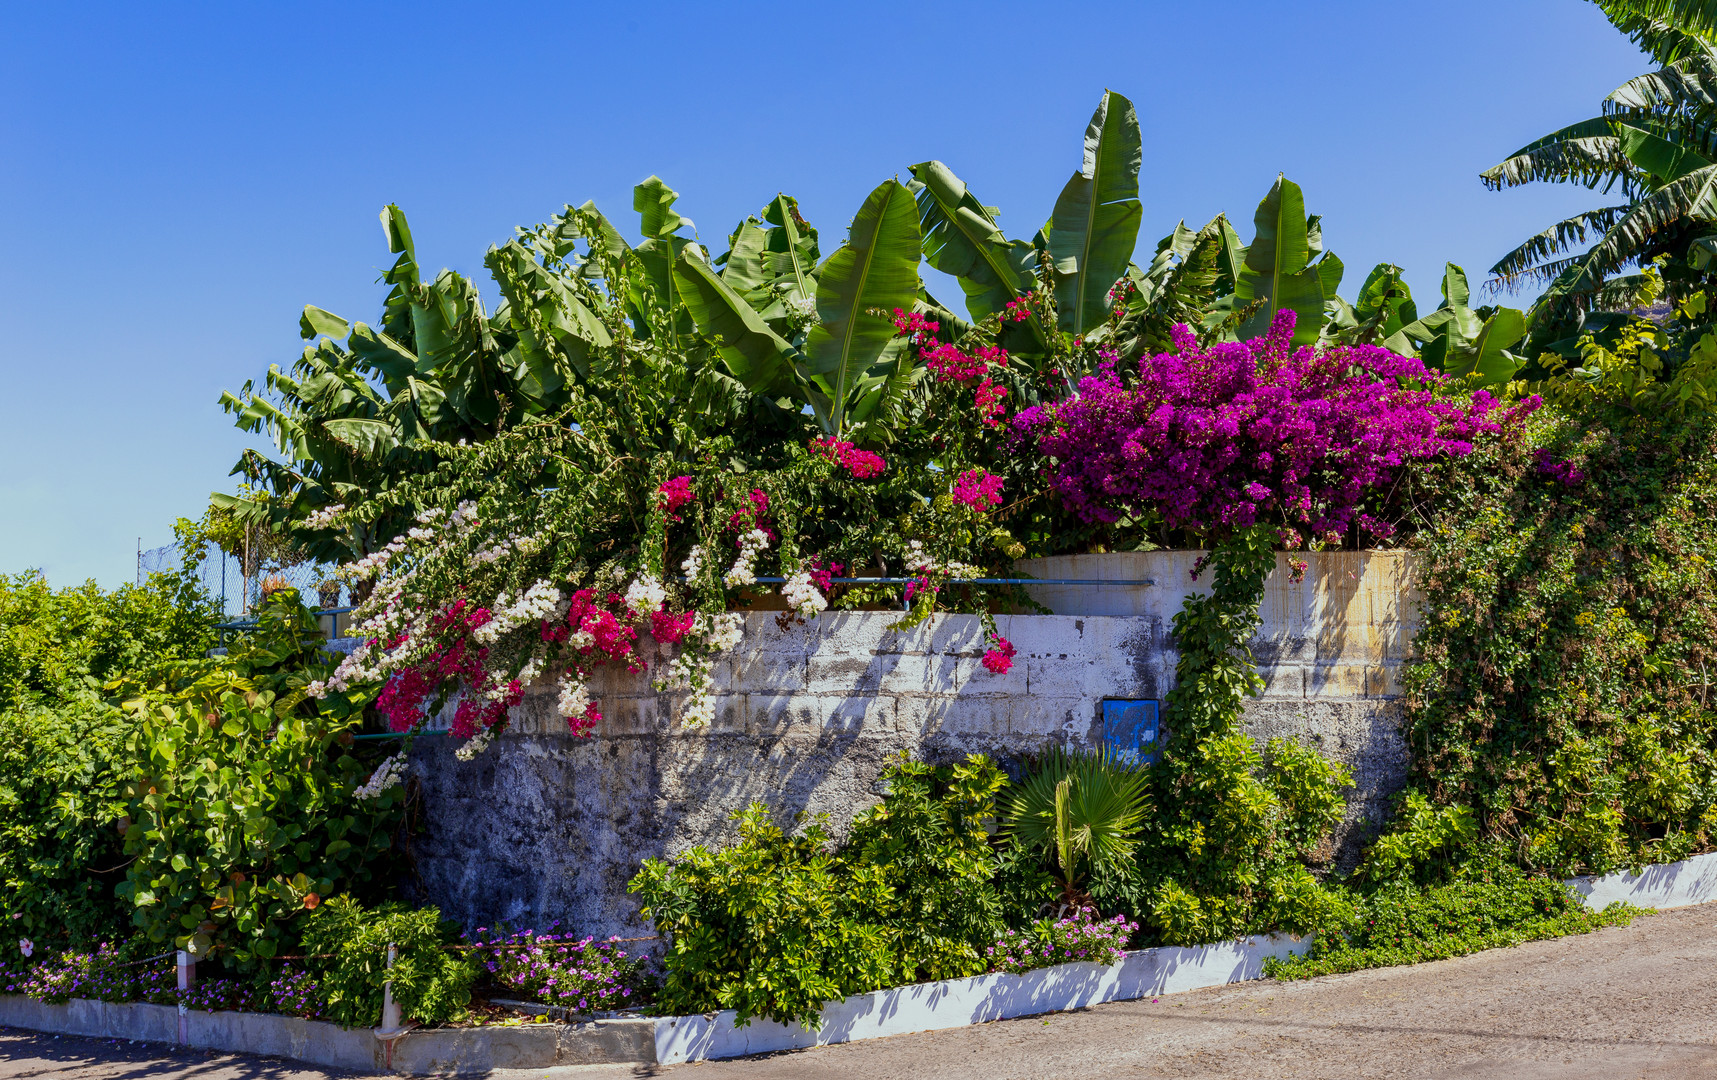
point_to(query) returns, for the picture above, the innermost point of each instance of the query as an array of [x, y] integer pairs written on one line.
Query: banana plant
[[962, 239], [1285, 267], [1095, 225], [852, 364], [1459, 340]]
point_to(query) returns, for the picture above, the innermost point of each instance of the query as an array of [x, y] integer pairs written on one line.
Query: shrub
[[1077, 938], [62, 746], [778, 924], [348, 946], [1408, 925], [579, 974], [244, 804], [1562, 695]]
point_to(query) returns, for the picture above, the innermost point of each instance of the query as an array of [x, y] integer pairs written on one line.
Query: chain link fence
[[224, 577]]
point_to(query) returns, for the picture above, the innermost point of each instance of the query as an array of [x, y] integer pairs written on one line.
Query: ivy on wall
[[1564, 687]]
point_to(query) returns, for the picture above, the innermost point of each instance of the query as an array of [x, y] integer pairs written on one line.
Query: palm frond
[[1586, 153], [1084, 805], [1533, 261], [1667, 29]]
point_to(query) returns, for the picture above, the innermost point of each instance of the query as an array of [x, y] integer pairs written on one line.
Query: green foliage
[[778, 924], [1423, 844], [62, 758], [61, 646], [1078, 807], [1562, 693], [431, 982], [1411, 925], [242, 805], [1228, 851], [63, 778]]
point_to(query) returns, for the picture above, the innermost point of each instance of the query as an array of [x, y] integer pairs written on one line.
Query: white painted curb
[[924, 1007], [961, 1002], [1666, 885]]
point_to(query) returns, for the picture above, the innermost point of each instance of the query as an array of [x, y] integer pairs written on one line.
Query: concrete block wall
[[547, 826]]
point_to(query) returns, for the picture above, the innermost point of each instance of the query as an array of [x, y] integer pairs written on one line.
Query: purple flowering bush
[[579, 974], [122, 973], [1080, 937], [1253, 432]]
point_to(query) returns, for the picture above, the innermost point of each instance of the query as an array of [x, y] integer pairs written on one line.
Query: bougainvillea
[[863, 464], [978, 490], [1242, 433], [675, 493]]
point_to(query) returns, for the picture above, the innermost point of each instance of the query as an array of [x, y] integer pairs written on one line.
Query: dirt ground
[[1619, 1004]]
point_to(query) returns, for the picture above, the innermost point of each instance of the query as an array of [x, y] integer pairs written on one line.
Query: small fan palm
[[1082, 807]]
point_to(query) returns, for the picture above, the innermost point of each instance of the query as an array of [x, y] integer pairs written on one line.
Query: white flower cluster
[[693, 565], [690, 667], [918, 561], [376, 561], [507, 614], [323, 518], [646, 595], [804, 306], [574, 695], [489, 555], [387, 774], [743, 571], [476, 744], [802, 596]]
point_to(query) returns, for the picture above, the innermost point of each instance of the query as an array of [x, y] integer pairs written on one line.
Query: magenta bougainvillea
[[863, 464], [978, 490], [1256, 432], [674, 494]]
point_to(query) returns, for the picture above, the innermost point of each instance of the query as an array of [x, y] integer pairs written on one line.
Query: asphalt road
[[1619, 1004]]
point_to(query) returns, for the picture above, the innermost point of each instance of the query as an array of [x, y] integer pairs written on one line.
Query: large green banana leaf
[[858, 288], [1454, 339], [1096, 221], [1278, 267], [790, 251], [657, 253], [759, 358], [961, 238]]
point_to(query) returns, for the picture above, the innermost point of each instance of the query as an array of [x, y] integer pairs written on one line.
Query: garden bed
[[675, 1039]]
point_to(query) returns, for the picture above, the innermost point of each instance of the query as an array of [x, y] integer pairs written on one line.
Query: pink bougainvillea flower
[[668, 628], [978, 490], [999, 658], [674, 494], [863, 464], [990, 400]]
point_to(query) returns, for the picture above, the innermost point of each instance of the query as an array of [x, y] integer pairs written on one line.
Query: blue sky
[[178, 180]]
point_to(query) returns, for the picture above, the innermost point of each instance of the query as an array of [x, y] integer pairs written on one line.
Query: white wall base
[[1666, 885], [960, 1002]]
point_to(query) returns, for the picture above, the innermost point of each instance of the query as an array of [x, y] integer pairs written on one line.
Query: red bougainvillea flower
[[668, 628], [990, 399], [863, 464], [999, 658]]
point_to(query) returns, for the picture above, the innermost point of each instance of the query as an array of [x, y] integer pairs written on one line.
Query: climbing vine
[[1563, 691]]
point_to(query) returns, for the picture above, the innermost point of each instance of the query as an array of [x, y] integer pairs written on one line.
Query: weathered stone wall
[[546, 826]]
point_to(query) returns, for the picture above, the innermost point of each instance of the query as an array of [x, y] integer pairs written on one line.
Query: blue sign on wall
[[1130, 730]]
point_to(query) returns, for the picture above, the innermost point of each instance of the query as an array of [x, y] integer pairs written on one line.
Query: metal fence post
[[390, 1007], [187, 968]]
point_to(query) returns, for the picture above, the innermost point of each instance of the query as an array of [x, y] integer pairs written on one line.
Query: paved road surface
[[1620, 1004]]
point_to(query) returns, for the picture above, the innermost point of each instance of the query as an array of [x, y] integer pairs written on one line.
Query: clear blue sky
[[178, 180]]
